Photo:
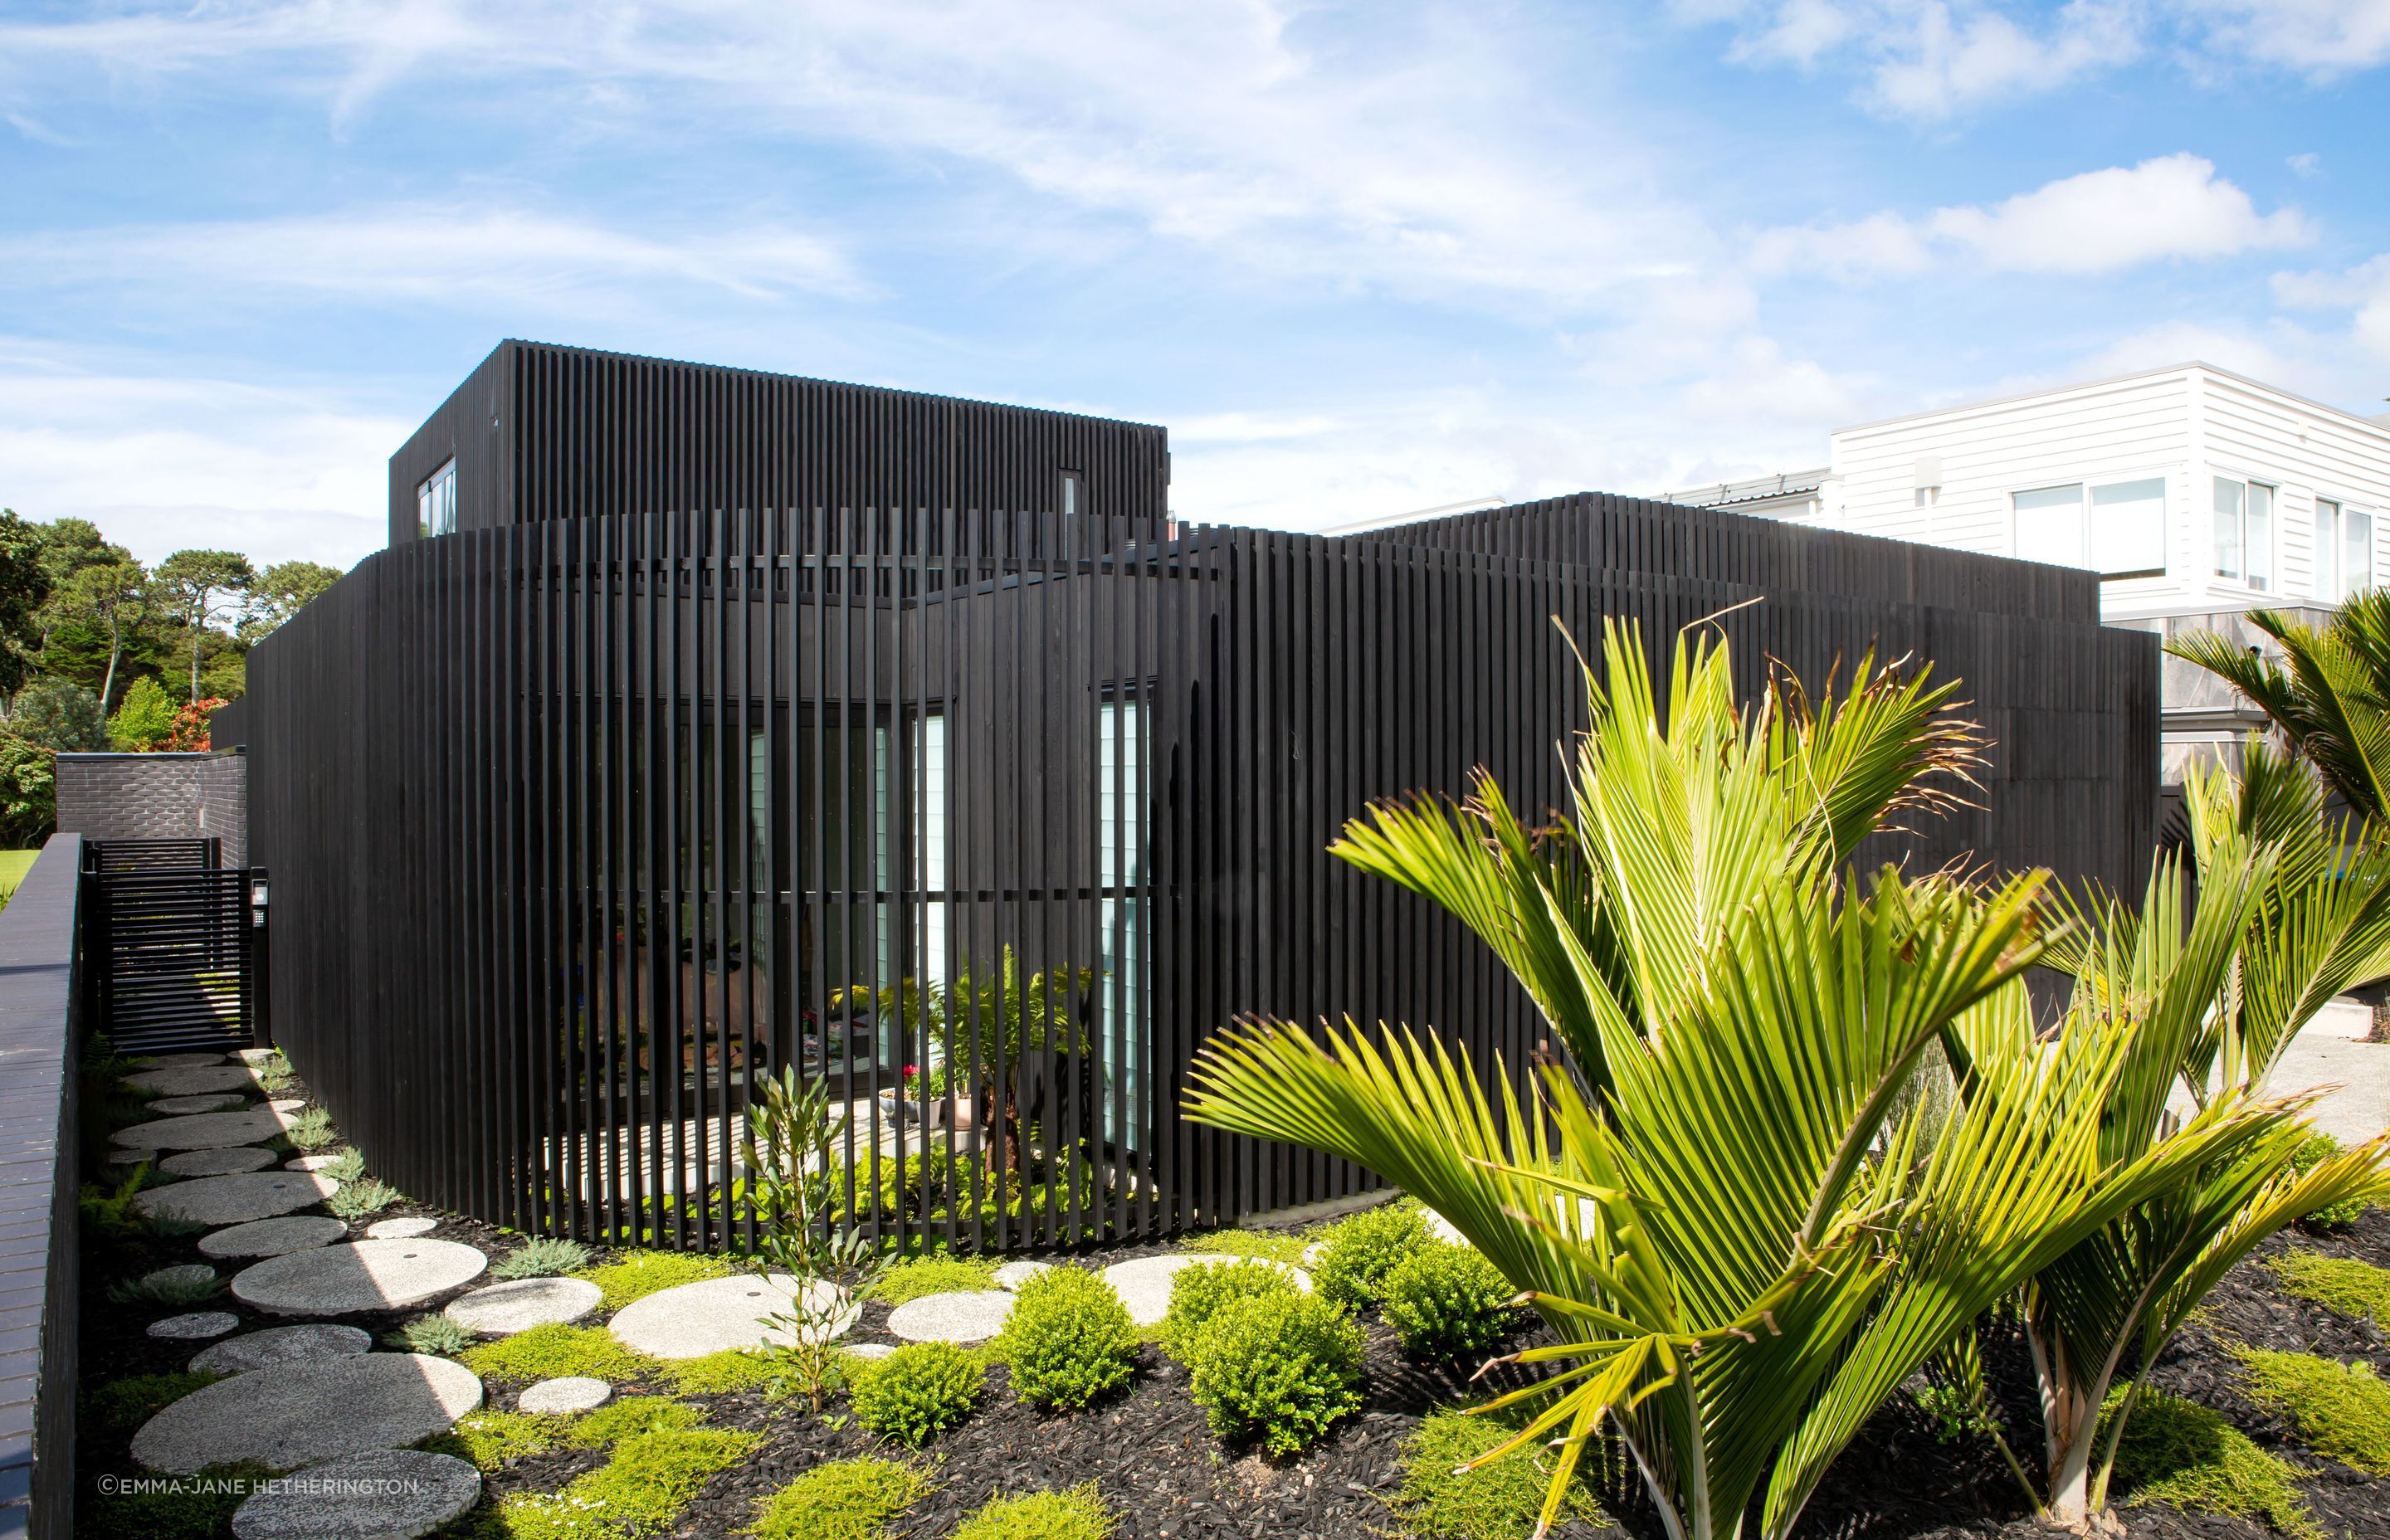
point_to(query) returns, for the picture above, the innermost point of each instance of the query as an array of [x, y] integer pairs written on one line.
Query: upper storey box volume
[[540, 432]]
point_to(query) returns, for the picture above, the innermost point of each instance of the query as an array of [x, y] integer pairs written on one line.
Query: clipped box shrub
[[1069, 1339], [1197, 1292], [918, 1392], [1278, 1368], [1359, 1253], [1445, 1301], [2318, 1148]]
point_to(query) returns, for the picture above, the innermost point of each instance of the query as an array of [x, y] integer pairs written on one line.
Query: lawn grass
[[14, 865]]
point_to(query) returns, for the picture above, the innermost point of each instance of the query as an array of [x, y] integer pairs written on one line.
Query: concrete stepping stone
[[503, 1309], [959, 1317], [257, 1056], [193, 1083], [401, 1229], [386, 1494], [231, 1160], [273, 1238], [225, 1101], [574, 1392], [311, 1163], [279, 1345], [234, 1199], [196, 1327], [180, 1061], [206, 1131], [133, 1157], [286, 1104], [1143, 1285], [184, 1274], [718, 1313], [870, 1350], [1444, 1230], [298, 1413], [358, 1277], [1012, 1275]]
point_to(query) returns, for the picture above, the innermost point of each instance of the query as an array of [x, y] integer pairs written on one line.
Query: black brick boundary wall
[[157, 797], [39, 1270]]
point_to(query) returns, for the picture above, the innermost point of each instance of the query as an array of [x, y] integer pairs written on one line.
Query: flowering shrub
[[189, 733]]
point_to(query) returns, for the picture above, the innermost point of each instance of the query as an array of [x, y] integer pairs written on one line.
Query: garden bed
[[1149, 1453]]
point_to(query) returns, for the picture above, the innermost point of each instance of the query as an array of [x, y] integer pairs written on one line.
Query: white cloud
[[163, 461], [426, 251], [2306, 164], [2321, 37], [1932, 59], [2362, 291], [1247, 128], [2105, 221]]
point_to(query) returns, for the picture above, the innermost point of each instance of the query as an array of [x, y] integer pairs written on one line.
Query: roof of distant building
[[1758, 489]]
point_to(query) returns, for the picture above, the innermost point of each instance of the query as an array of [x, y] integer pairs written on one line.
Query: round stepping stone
[[182, 1275], [386, 1494], [233, 1200], [273, 1238], [180, 1061], [207, 1131], [279, 1345], [311, 1163], [192, 1082], [229, 1162], [1012, 1275], [196, 1327], [972, 1318], [133, 1157], [286, 1104], [223, 1102], [1444, 1231], [257, 1056], [298, 1413], [716, 1313], [358, 1277], [869, 1350], [575, 1392], [503, 1309], [1144, 1285], [401, 1229]]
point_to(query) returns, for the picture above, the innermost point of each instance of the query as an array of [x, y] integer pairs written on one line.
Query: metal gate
[[177, 946]]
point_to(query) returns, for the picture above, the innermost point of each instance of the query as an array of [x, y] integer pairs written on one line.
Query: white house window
[[2117, 529], [2244, 531], [435, 502], [2343, 550], [1075, 494]]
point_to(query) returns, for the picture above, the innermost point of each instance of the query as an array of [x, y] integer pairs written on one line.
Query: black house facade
[[699, 722]]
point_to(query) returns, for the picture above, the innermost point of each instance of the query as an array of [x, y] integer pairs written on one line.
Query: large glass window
[[1119, 730], [2343, 550], [2117, 529], [2244, 531], [435, 502]]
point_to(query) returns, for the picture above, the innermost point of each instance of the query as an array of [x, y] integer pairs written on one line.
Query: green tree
[[60, 715], [24, 585], [282, 591], [201, 587], [29, 792], [2329, 694], [145, 719], [111, 597]]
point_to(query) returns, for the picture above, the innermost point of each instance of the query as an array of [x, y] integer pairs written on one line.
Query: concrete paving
[[360, 1276], [207, 1131], [714, 1314], [384, 1495], [273, 1238], [2328, 1053], [958, 1318], [299, 1414], [193, 1082], [236, 1200], [231, 1160], [573, 1392], [278, 1345], [196, 1327], [503, 1309]]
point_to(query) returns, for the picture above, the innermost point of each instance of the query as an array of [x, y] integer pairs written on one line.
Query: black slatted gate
[[177, 946]]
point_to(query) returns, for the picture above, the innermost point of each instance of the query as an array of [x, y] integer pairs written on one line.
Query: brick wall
[[157, 797]]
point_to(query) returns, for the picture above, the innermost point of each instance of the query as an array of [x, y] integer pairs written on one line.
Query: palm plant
[[2288, 913], [2330, 698], [1742, 1226]]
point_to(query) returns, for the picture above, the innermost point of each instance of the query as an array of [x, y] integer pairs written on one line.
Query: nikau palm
[[1741, 1224]]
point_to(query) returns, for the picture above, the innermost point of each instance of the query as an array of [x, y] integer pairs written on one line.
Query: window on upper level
[[2343, 550], [435, 502], [2117, 529], [1075, 493], [2244, 531]]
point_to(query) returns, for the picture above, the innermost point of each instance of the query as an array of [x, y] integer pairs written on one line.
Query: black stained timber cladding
[[577, 822]]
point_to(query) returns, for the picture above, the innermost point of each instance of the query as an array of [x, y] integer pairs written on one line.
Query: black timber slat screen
[[174, 957], [151, 855], [578, 825]]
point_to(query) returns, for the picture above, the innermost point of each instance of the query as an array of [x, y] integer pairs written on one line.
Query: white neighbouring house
[[2196, 492]]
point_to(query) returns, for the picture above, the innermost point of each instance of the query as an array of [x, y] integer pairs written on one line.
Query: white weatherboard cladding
[[2186, 425]]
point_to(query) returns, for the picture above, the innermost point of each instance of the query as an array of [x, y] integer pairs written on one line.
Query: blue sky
[[1360, 259]]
